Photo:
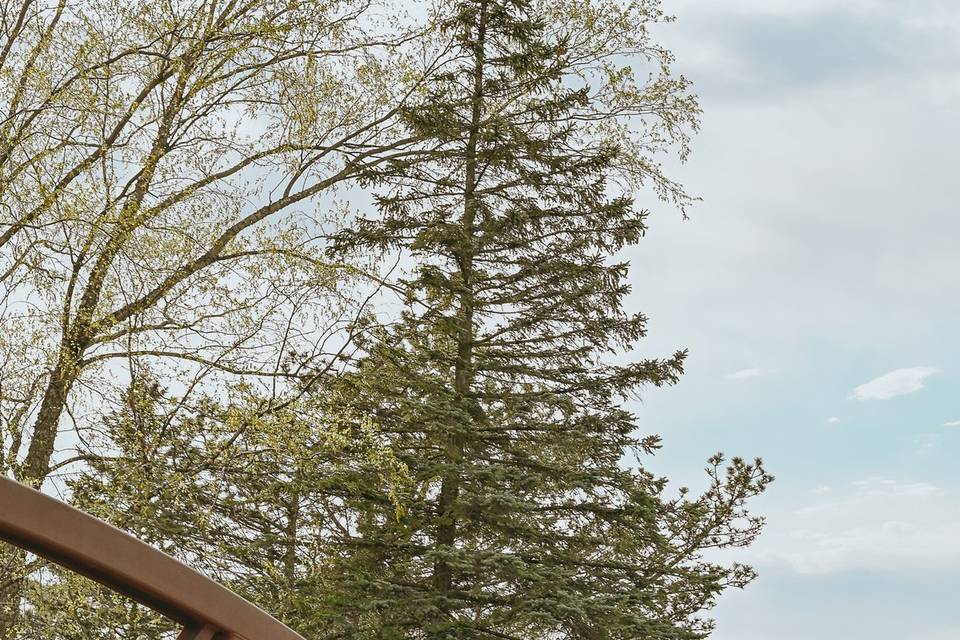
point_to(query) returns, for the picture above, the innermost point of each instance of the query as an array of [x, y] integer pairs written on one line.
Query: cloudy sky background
[[818, 288]]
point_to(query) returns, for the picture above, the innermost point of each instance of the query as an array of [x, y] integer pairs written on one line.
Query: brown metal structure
[[56, 531]]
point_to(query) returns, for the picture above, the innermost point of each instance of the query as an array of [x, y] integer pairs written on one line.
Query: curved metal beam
[[56, 531]]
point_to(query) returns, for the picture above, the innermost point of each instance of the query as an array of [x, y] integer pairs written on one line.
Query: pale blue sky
[[823, 257]]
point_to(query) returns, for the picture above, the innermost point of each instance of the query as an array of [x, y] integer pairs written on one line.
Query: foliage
[[498, 386], [467, 467], [237, 495], [159, 162]]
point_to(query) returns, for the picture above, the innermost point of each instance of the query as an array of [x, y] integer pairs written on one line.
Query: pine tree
[[498, 386], [238, 495]]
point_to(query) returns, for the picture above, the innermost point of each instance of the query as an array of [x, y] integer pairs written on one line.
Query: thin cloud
[[952, 423], [743, 374], [833, 420], [900, 382], [876, 524]]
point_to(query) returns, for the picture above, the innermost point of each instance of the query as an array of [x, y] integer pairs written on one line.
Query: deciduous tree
[[159, 163]]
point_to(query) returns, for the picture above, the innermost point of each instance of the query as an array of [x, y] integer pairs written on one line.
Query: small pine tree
[[243, 497], [498, 387]]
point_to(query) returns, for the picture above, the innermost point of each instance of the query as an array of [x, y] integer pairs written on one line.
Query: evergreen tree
[[238, 495], [498, 386]]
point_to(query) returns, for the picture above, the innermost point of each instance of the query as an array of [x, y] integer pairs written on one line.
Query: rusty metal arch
[[56, 531]]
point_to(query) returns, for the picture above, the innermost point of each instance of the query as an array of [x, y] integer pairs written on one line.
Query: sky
[[817, 287]]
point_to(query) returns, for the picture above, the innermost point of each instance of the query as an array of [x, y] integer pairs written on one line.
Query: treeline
[[324, 298]]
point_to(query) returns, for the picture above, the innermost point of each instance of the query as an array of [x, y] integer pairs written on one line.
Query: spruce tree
[[241, 496], [501, 386]]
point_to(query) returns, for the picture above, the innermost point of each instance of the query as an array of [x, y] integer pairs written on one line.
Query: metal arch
[[56, 531]]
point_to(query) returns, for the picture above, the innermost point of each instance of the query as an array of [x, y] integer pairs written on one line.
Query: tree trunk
[[36, 467], [450, 484], [12, 562], [43, 438]]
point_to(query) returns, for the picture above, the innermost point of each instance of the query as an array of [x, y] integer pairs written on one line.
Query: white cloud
[[779, 8], [896, 383], [921, 12], [833, 420], [952, 423], [875, 524], [886, 488], [744, 374]]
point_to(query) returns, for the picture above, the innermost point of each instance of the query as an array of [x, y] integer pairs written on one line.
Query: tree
[[245, 506], [473, 472], [155, 163], [497, 386]]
